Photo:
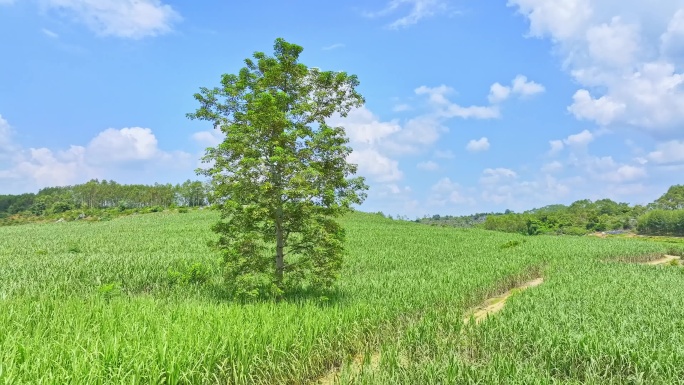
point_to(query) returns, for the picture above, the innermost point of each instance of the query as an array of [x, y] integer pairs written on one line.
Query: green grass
[[120, 302]]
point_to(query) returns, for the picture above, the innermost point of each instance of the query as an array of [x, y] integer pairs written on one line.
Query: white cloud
[[475, 112], [417, 133], [626, 56], [559, 19], [446, 191], [372, 139], [364, 127], [668, 153], [498, 93], [626, 173], [604, 169], [121, 18], [376, 166], [614, 44], [440, 154], [604, 110], [436, 95], [552, 167], [446, 109], [523, 87], [496, 175], [479, 145], [428, 166], [49, 33], [333, 46], [672, 41], [519, 86], [419, 10], [106, 155], [47, 168], [126, 144], [210, 138], [556, 146], [401, 107], [6, 143], [581, 139]]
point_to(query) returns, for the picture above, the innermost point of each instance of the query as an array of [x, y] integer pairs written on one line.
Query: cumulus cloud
[[445, 191], [133, 19], [603, 110], [364, 127], [671, 152], [524, 87], [369, 137], [624, 54], [427, 166], [552, 167], [498, 93], [672, 41], [605, 169], [626, 173], [210, 138], [106, 154], [496, 175], [444, 154], [437, 96], [556, 146], [6, 143], [418, 10], [48, 168], [375, 165], [519, 86], [416, 134], [581, 139], [126, 144], [479, 145]]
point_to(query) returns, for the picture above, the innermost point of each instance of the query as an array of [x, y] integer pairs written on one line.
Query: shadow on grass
[[219, 292]]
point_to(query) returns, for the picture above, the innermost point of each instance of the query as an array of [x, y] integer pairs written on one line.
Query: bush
[[196, 273], [60, 207], [572, 230]]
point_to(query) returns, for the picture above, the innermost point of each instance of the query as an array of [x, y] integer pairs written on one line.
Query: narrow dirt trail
[[492, 305], [664, 260], [495, 304]]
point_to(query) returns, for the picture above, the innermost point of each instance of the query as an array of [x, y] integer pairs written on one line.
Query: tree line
[[664, 216], [104, 194]]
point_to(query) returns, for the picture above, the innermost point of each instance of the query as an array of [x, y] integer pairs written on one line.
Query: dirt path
[[495, 304], [665, 260], [480, 313]]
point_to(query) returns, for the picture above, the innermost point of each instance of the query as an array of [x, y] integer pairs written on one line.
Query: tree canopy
[[281, 175]]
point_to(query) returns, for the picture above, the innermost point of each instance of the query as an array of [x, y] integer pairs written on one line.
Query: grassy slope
[[93, 302]]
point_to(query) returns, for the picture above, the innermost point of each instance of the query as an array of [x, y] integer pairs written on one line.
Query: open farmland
[[139, 300]]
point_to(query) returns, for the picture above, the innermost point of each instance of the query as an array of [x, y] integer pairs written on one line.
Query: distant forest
[[664, 216], [103, 195], [102, 199]]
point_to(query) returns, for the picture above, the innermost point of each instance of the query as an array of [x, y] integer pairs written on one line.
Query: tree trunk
[[280, 246]]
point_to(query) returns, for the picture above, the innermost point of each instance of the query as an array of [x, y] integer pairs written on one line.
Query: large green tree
[[673, 199], [281, 175]]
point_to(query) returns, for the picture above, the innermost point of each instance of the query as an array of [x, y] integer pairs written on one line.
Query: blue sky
[[470, 105]]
